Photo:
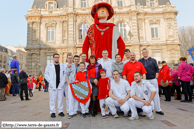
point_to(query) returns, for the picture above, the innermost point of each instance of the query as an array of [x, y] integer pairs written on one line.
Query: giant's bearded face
[[103, 13]]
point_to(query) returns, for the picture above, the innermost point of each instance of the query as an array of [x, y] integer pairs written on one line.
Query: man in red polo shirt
[[131, 67]]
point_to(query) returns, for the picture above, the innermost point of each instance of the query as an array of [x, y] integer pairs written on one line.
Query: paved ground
[[177, 115]]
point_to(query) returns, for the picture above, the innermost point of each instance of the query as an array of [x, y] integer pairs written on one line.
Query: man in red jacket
[[102, 35]]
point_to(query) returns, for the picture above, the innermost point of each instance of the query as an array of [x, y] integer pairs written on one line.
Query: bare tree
[[186, 37]]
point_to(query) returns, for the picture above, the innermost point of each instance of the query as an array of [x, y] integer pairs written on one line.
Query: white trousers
[[85, 107], [56, 94], [112, 104], [67, 98], [34, 86], [134, 104], [156, 99], [103, 111], [73, 103], [79, 107]]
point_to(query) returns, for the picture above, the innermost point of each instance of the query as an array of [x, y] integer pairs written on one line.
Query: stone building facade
[[57, 26], [10, 58], [3, 57]]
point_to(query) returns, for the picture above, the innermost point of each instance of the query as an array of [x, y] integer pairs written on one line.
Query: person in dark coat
[[3, 84], [23, 87], [15, 86]]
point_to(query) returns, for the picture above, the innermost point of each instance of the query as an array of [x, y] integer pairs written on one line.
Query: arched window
[[50, 34], [83, 3], [151, 3], [82, 32], [50, 7], [154, 30], [5, 59], [157, 56], [122, 29], [120, 2], [49, 59]]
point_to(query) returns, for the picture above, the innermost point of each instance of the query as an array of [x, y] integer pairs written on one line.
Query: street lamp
[[36, 66]]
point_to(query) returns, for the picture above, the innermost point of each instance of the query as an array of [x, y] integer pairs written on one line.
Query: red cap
[[103, 70], [102, 4]]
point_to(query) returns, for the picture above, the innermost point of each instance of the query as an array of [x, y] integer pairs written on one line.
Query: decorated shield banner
[[81, 91]]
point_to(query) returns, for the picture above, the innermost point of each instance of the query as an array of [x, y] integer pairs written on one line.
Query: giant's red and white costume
[[103, 36]]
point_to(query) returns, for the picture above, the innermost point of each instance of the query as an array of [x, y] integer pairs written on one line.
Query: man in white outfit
[[142, 94], [106, 63], [70, 78], [55, 75], [119, 95], [152, 69]]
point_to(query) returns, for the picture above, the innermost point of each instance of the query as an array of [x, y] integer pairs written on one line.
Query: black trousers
[[160, 90], [192, 87], [167, 92], [187, 89], [172, 89], [178, 91], [30, 92], [23, 88], [39, 86]]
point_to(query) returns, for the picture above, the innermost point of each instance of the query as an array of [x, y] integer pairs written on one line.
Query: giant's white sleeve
[[47, 73]]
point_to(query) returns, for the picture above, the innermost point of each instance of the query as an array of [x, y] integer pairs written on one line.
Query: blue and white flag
[[84, 26], [191, 52]]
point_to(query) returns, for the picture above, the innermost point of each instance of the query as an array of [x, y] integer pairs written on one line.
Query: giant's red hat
[[102, 4]]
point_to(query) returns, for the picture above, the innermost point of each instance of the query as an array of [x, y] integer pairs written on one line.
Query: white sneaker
[[116, 115], [151, 117], [134, 118], [125, 115]]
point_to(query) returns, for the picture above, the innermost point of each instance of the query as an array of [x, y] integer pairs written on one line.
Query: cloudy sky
[[13, 25]]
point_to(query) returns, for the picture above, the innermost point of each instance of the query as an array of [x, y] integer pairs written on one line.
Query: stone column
[[70, 23], [176, 29], [28, 61], [30, 32], [43, 61], [59, 32], [134, 28], [135, 38], [39, 33]]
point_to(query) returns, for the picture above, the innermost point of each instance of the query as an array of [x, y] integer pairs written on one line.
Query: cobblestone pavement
[[177, 115]]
